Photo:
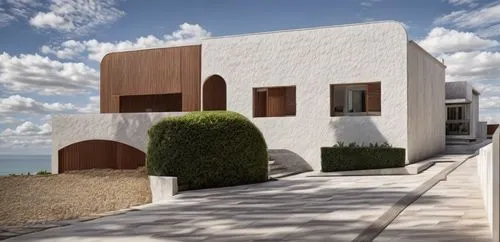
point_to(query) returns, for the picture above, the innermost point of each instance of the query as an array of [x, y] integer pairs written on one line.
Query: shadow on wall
[[361, 130], [290, 160], [127, 128]]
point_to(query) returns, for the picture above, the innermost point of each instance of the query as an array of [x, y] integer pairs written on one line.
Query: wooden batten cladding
[[99, 154], [141, 74]]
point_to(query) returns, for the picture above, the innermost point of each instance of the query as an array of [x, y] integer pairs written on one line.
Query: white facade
[[313, 59], [426, 104], [411, 83]]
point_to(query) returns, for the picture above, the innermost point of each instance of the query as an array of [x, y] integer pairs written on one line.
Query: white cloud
[[29, 129], [490, 31], [95, 50], [490, 118], [34, 73], [442, 40], [5, 18], [490, 102], [472, 66], [9, 120], [471, 3], [12, 10], [51, 20], [92, 106], [369, 3], [26, 135], [77, 16], [24, 142], [18, 104], [482, 17]]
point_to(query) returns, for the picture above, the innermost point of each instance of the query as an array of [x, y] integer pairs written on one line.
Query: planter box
[[163, 188], [360, 158]]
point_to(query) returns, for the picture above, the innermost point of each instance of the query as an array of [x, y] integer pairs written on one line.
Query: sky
[[50, 50]]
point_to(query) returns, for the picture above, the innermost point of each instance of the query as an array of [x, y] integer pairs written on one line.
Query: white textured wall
[[482, 130], [488, 171], [127, 128], [458, 90], [426, 104], [474, 109], [312, 59]]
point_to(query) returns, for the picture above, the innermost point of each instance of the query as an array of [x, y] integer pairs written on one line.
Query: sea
[[22, 164]]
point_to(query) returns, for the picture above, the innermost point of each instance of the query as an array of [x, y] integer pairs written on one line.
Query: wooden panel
[[214, 94], [259, 103], [151, 103], [105, 86], [153, 71], [373, 97], [190, 78], [275, 101], [128, 157], [99, 154], [290, 103]]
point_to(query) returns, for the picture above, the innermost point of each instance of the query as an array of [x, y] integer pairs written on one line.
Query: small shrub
[[355, 157], [207, 149], [43, 173], [339, 144]]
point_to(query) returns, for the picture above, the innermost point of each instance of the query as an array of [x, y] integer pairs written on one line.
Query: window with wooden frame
[[360, 99], [274, 101]]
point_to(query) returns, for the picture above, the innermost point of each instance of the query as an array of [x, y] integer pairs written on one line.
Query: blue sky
[[50, 50]]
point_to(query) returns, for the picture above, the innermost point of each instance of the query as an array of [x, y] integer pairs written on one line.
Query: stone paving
[[293, 208], [297, 208], [458, 215]]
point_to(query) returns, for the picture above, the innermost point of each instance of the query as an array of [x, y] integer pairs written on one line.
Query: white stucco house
[[303, 88], [462, 111]]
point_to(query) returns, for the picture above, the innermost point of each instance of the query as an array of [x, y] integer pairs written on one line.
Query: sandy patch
[[28, 199]]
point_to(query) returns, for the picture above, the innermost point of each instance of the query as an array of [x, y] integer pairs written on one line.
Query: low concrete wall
[[126, 128], [488, 170]]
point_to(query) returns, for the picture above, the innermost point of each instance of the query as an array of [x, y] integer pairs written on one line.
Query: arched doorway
[[214, 93], [99, 154]]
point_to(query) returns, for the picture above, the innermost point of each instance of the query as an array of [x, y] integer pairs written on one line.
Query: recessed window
[[457, 121], [360, 99], [274, 101], [151, 103]]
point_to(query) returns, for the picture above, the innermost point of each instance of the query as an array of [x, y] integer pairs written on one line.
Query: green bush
[[43, 173], [207, 149], [354, 157]]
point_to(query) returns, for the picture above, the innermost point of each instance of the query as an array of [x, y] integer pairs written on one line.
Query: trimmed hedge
[[361, 158], [207, 149]]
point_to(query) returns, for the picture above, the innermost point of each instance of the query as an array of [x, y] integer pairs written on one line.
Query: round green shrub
[[207, 149]]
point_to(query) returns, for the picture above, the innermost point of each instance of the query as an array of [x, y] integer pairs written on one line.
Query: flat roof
[[310, 28], [457, 101]]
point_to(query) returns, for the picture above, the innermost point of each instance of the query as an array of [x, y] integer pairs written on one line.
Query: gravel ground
[[34, 199]]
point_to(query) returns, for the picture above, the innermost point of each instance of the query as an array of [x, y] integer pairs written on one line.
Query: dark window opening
[[151, 103]]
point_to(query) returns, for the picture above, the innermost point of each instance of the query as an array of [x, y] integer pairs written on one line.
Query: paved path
[[452, 210], [293, 208], [297, 208]]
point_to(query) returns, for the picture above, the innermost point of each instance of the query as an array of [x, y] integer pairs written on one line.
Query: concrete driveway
[[293, 208]]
